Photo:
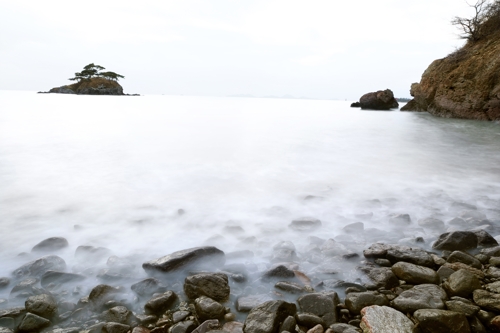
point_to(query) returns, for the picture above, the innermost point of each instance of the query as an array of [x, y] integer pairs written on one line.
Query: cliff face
[[465, 84], [94, 86]]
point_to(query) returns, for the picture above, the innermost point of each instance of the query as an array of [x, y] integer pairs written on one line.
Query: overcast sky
[[319, 49]]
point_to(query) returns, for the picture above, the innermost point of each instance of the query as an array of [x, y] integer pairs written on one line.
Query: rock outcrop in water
[[94, 86], [378, 100], [465, 84]]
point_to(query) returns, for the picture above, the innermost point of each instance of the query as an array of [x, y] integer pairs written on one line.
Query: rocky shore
[[452, 286]]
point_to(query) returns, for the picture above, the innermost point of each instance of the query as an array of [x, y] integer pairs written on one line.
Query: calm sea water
[[146, 176]]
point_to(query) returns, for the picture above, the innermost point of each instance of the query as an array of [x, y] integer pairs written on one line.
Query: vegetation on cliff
[[465, 84]]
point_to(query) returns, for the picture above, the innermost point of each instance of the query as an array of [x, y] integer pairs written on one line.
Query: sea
[[145, 176]]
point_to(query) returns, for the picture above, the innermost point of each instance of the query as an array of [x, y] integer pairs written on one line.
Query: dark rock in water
[[431, 223], [100, 294], [113, 327], [439, 321], [423, 296], [456, 240], [399, 220], [4, 282], [305, 224], [376, 251], [213, 285], [50, 245], [309, 320], [187, 326], [356, 105], [380, 277], [117, 314], [462, 305], [357, 301], [462, 283], [384, 319], [16, 314], [463, 257], [87, 253], [207, 308], [33, 323], [247, 303], [93, 86], [207, 325], [415, 274], [267, 317], [279, 272], [38, 267], [42, 305], [323, 305], [491, 251], [290, 287], [60, 278], [26, 286], [161, 303], [379, 100], [487, 300], [484, 239], [412, 255], [148, 287], [198, 257]]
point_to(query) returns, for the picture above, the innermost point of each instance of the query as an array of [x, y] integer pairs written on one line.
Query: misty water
[[147, 176]]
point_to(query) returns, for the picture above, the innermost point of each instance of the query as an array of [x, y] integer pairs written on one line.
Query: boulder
[[291, 287], [187, 326], [267, 317], [431, 223], [464, 306], [51, 244], [213, 285], [93, 86], [484, 239], [309, 320], [379, 100], [323, 305], [415, 256], [198, 257], [60, 278], [423, 296], [288, 325], [207, 325], [117, 314], [148, 287], [463, 257], [383, 319], [278, 272], [487, 300], [101, 294], [343, 328], [247, 303], [42, 305], [357, 301], [456, 240], [33, 323], [157, 305], [305, 224], [439, 321], [207, 308], [379, 277], [415, 274], [462, 283], [38, 267], [355, 105], [113, 327]]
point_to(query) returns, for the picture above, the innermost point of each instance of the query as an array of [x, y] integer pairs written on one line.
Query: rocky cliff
[[94, 86], [465, 84]]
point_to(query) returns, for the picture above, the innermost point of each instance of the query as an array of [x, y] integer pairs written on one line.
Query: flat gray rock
[[198, 257], [357, 301], [267, 317], [439, 321], [323, 305], [415, 274], [462, 283], [38, 267], [423, 296], [456, 240], [383, 319], [213, 285]]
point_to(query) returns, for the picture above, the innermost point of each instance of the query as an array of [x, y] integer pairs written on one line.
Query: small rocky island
[[378, 100], [93, 80]]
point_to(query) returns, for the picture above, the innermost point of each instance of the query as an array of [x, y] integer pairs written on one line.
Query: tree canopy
[[91, 70]]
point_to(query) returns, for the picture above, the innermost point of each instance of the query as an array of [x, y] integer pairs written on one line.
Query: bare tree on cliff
[[485, 20]]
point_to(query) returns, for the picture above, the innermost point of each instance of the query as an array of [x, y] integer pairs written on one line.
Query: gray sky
[[318, 49]]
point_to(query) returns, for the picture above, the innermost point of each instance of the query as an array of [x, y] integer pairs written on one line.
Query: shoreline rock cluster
[[379, 100], [453, 288], [93, 86]]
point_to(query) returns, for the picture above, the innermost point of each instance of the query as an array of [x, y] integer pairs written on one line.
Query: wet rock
[[493, 287], [484, 239], [161, 303], [323, 305], [438, 321], [51, 244], [379, 277], [6, 330], [198, 257], [464, 306], [305, 224], [87, 253], [316, 329], [424, 296], [247, 303], [456, 240], [234, 327], [26, 286], [309, 320], [458, 265], [267, 317], [354, 228], [38, 267], [16, 314], [343, 328], [357, 301], [213, 285], [178, 316], [115, 328], [100, 294], [4, 282], [399, 219], [290, 287], [381, 319], [444, 272], [33, 323], [459, 256], [207, 308], [415, 274], [288, 325], [378, 100], [491, 251], [42, 305], [332, 248], [60, 278], [183, 327], [148, 287], [278, 272], [431, 223], [207, 325], [462, 283], [476, 326], [376, 251], [117, 314], [414, 256], [487, 300]]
